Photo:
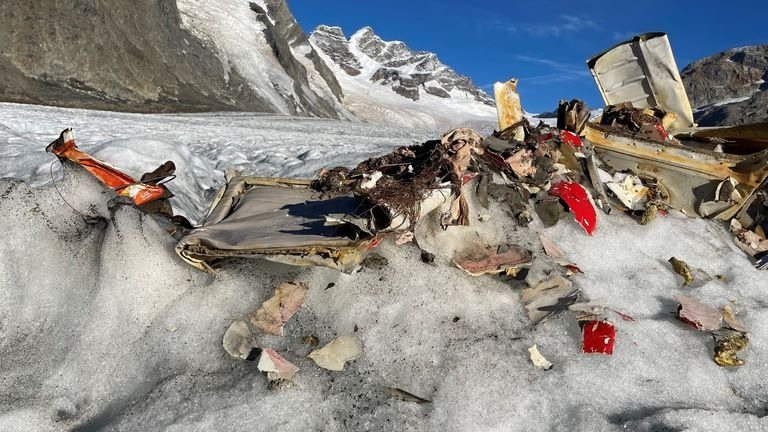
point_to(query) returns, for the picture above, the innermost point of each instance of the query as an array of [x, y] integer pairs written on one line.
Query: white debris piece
[[538, 360], [337, 353]]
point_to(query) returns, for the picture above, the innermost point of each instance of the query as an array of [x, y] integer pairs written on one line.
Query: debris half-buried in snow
[[274, 313], [239, 342], [478, 259], [404, 395], [538, 360], [337, 353], [278, 369]]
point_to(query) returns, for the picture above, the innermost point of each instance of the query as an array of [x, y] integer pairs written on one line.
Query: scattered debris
[[683, 269], [698, 315], [279, 370], [404, 395], [339, 351], [538, 360], [478, 260], [599, 336], [276, 311], [239, 341]]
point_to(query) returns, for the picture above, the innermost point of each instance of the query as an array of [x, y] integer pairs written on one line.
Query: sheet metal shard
[[276, 367], [683, 269], [404, 395], [550, 248], [629, 189], [479, 259], [698, 315], [276, 311], [549, 297], [579, 202], [337, 353], [599, 336], [239, 342], [538, 360]]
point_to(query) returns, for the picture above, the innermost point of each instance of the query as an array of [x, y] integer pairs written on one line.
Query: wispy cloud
[[562, 25], [622, 36], [560, 72]]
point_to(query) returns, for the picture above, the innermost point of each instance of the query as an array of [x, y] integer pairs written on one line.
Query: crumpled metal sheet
[[479, 259], [643, 71], [549, 297]]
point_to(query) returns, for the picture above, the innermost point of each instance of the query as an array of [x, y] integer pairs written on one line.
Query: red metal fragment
[[573, 267], [580, 203], [599, 337], [466, 178], [571, 138]]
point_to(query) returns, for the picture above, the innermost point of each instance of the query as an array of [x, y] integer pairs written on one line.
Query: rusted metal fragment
[[680, 267], [728, 348]]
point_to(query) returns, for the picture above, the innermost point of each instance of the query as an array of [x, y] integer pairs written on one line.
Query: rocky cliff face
[[410, 74], [730, 87], [157, 55], [389, 81]]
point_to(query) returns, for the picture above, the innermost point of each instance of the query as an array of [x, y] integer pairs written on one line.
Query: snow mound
[[103, 326]]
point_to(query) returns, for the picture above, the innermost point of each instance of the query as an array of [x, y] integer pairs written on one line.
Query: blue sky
[[545, 43]]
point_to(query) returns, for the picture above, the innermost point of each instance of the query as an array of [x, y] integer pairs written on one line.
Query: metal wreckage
[[643, 155]]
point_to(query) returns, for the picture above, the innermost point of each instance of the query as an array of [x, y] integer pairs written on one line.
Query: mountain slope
[[388, 81], [162, 55], [730, 87]]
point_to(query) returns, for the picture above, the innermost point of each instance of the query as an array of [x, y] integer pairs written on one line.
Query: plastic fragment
[[404, 395], [239, 342], [274, 313], [683, 269], [538, 359], [278, 369], [337, 353], [580, 203], [599, 336]]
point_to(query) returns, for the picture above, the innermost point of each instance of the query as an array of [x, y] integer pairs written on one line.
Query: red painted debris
[[580, 203], [571, 138], [662, 132], [375, 242], [599, 337], [468, 178], [574, 268]]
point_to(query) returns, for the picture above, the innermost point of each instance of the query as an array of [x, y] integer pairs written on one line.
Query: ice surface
[[102, 325]]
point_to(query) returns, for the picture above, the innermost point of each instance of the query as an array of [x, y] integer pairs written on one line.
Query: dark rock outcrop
[[730, 87]]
